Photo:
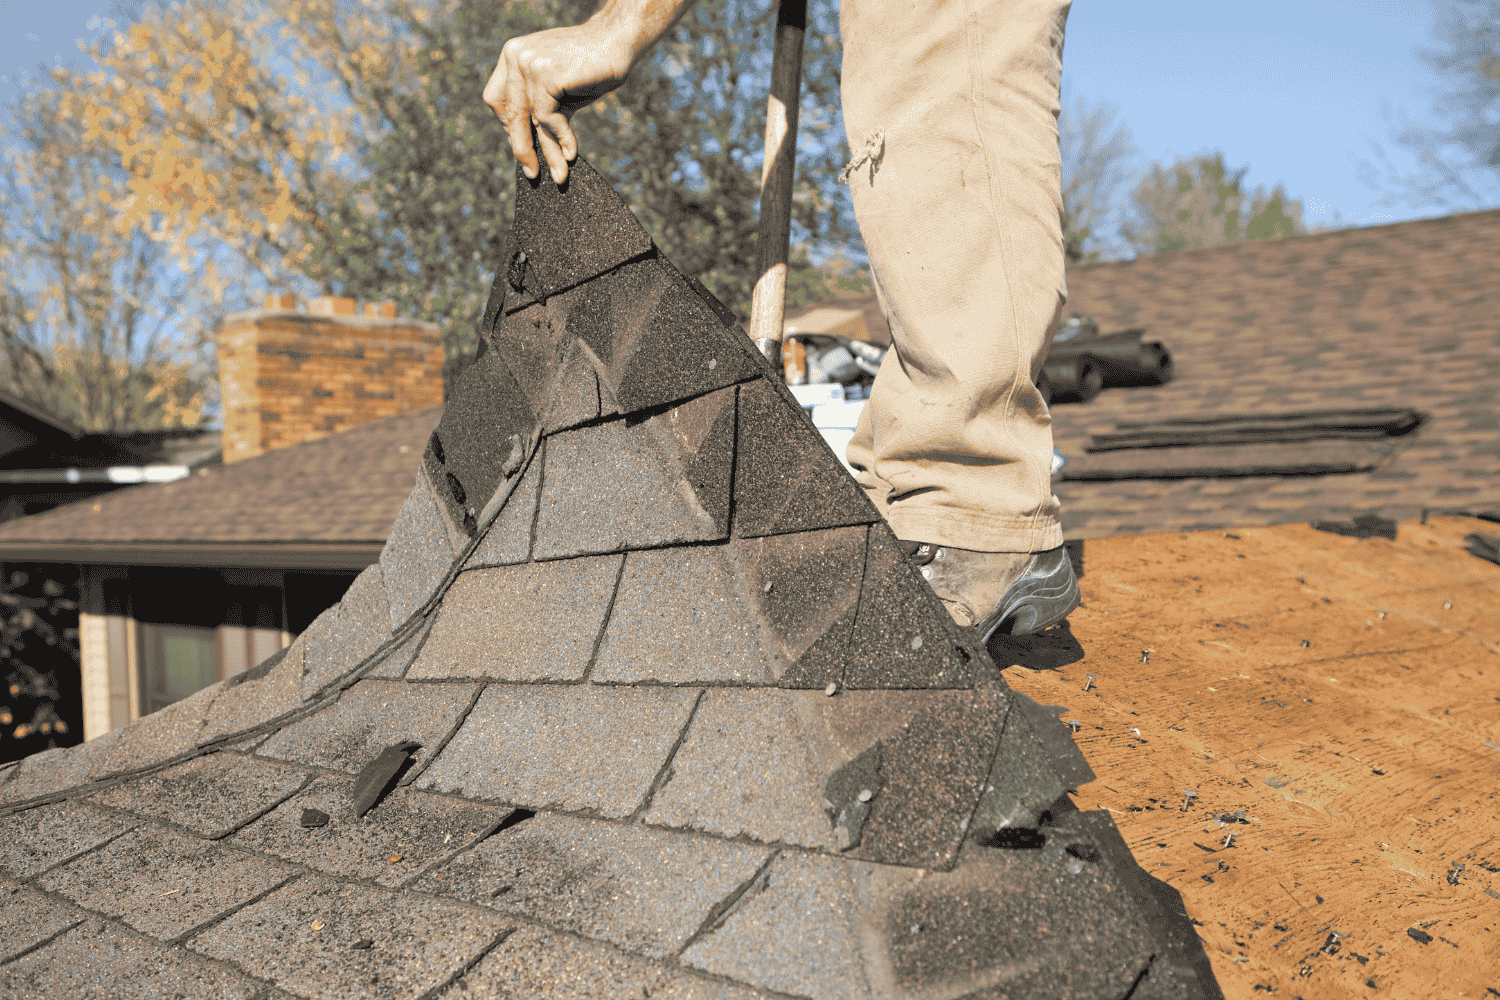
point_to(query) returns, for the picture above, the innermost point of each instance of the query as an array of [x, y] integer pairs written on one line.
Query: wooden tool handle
[[773, 242]]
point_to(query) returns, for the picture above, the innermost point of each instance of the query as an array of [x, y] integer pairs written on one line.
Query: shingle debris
[[1361, 526], [376, 777]]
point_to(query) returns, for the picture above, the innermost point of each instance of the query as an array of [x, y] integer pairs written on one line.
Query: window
[[178, 660]]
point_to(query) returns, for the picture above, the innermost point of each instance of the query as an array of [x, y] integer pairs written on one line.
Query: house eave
[[246, 555]]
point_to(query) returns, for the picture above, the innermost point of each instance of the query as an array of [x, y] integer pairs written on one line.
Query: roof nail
[[832, 689], [1088, 683]]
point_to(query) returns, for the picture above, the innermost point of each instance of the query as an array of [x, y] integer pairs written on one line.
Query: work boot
[[1013, 593]]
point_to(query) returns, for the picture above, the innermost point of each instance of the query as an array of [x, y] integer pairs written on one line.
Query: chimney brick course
[[287, 376]]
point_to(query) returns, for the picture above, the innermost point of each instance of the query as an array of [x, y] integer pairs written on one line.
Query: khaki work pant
[[954, 104]]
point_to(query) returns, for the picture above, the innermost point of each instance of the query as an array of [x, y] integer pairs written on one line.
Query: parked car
[[1082, 361]]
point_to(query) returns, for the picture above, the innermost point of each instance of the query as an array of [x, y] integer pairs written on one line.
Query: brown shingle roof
[[338, 494], [1400, 315]]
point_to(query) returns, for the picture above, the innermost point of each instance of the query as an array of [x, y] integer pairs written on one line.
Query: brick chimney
[[288, 376]]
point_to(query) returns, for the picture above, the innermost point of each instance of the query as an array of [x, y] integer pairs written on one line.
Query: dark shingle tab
[[35, 840], [302, 937], [572, 234], [29, 919], [932, 772], [473, 450], [416, 828], [903, 637], [538, 621], [1054, 921], [786, 477], [370, 716], [643, 890], [210, 795], [163, 883], [97, 960], [572, 748], [626, 484]]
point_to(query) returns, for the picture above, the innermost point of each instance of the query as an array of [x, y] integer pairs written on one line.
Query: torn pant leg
[[958, 198]]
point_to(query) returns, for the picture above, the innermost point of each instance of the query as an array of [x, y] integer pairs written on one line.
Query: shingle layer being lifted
[[661, 710]]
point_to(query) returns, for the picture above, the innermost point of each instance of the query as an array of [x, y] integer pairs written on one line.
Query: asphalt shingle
[[306, 937], [538, 621], [160, 735], [743, 612], [370, 716], [902, 637], [358, 625], [574, 233], [630, 316], [786, 478], [211, 795], [29, 919], [473, 449], [796, 931], [97, 960], [623, 484], [54, 770], [643, 890], [254, 697], [35, 840], [163, 883], [417, 553], [754, 761], [508, 539], [417, 829], [533, 962], [573, 748]]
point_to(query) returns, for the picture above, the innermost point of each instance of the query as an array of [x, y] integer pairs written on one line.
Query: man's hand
[[546, 76]]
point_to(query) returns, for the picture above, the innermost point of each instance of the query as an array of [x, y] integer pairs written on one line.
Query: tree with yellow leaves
[[95, 326], [344, 147]]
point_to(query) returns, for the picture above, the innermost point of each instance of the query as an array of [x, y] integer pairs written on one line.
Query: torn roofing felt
[[642, 698]]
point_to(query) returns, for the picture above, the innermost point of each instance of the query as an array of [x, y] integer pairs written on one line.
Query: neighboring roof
[[648, 703], [858, 317], [37, 414], [326, 504], [1394, 316]]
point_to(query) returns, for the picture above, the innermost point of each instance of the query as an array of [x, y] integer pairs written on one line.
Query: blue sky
[[1295, 89]]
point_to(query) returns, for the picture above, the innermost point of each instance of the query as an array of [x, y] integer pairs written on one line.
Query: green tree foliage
[[1460, 156], [1198, 202]]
